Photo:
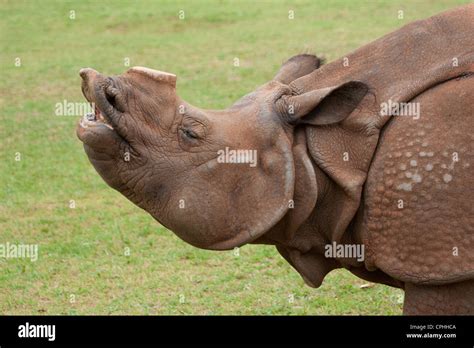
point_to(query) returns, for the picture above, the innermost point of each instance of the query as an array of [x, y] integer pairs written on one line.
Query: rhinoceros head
[[218, 179]]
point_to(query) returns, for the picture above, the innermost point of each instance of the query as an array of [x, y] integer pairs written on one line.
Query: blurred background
[[98, 253]]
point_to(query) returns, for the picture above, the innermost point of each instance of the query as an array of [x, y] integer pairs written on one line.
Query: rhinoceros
[[363, 163]]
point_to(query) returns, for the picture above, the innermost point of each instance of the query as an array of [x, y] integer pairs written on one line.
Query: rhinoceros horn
[[156, 75]]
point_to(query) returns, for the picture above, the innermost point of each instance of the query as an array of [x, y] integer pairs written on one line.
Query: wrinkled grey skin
[[330, 166], [173, 171]]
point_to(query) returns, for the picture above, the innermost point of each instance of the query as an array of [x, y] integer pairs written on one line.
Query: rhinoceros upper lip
[[100, 118]]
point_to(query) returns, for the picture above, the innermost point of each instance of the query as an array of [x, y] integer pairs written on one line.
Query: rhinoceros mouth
[[95, 119], [99, 129], [95, 128]]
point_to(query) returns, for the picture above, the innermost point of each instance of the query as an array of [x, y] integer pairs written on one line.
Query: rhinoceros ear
[[156, 75], [323, 106], [297, 66]]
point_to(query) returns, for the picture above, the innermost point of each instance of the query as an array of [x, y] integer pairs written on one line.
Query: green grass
[[82, 250]]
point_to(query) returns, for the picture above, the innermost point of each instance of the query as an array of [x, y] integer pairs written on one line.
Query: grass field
[[84, 266]]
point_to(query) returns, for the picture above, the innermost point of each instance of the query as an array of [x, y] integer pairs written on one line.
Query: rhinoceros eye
[[188, 138], [189, 133]]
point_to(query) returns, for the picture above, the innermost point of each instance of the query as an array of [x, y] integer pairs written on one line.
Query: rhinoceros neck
[[396, 67], [306, 249]]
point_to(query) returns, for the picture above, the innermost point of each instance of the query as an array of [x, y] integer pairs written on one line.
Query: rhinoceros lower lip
[[96, 118]]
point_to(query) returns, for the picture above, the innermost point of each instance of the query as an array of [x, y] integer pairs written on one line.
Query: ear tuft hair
[[317, 61], [297, 66]]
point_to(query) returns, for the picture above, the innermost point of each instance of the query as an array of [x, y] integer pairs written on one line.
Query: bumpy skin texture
[[418, 214], [454, 298], [396, 67], [330, 169]]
